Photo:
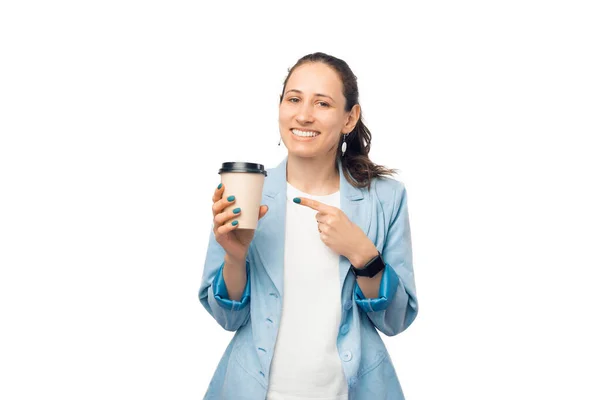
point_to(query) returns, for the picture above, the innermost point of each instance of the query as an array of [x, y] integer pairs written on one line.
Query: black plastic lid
[[243, 167]]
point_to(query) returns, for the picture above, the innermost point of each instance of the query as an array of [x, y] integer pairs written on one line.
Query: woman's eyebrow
[[316, 94]]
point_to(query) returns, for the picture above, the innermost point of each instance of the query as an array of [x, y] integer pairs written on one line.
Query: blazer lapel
[[271, 228], [352, 203]]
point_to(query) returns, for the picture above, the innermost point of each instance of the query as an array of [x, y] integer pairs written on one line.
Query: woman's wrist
[[364, 255], [234, 262]]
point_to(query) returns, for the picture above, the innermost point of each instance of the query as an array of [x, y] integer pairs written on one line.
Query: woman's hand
[[235, 242], [340, 234]]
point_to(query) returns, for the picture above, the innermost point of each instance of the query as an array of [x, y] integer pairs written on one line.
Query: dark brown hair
[[357, 167]]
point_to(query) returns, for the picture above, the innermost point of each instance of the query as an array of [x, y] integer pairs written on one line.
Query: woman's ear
[[352, 119]]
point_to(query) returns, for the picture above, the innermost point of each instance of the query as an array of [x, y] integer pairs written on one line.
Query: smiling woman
[[336, 236], [320, 95]]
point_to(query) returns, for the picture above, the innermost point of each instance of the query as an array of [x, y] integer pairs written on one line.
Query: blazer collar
[[277, 183], [270, 232]]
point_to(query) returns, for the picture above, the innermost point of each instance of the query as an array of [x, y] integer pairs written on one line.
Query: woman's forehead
[[313, 78]]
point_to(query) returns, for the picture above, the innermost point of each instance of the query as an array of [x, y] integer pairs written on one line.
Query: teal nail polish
[[234, 223], [237, 210], [231, 198], [220, 186], [297, 200]]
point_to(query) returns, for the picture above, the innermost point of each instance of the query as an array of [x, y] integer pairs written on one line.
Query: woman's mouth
[[305, 134]]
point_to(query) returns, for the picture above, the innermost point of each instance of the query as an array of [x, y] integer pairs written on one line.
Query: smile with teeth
[[305, 133]]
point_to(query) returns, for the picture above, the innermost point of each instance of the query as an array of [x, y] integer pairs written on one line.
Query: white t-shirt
[[306, 363]]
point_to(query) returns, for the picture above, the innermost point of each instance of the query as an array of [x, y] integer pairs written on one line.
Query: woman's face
[[313, 102]]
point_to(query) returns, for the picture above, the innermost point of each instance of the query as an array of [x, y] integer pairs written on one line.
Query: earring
[[279, 141], [344, 145]]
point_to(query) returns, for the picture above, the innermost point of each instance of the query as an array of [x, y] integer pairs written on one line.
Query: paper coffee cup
[[245, 181]]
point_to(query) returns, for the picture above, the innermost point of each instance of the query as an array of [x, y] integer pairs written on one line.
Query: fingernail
[[237, 210], [234, 223], [220, 186], [231, 198], [297, 200]]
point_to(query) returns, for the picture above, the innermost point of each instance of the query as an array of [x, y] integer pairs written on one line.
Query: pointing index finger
[[314, 204]]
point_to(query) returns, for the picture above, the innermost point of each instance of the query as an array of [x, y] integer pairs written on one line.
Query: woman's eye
[[296, 100]]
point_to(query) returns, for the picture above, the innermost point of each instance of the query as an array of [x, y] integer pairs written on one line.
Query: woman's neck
[[313, 175]]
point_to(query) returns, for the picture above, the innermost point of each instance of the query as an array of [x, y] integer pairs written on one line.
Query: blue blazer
[[382, 214]]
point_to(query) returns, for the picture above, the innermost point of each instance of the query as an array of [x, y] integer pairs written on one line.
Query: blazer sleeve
[[397, 307], [230, 314]]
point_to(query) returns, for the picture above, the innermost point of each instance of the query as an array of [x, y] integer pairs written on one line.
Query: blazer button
[[344, 329], [347, 355]]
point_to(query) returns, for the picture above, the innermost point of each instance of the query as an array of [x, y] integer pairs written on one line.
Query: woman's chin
[[306, 153]]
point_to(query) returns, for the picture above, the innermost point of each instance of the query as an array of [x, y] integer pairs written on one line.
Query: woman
[[329, 265]]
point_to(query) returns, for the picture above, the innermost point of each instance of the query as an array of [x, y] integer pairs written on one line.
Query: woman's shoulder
[[387, 188]]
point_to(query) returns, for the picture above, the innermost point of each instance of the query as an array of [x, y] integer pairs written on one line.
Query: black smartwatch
[[371, 268]]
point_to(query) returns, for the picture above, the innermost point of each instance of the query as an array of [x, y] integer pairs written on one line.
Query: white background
[[116, 115]]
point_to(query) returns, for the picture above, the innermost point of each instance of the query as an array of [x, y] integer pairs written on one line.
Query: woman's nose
[[305, 113]]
